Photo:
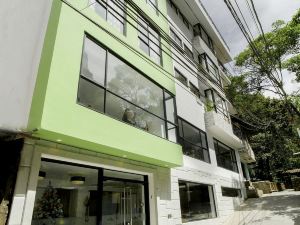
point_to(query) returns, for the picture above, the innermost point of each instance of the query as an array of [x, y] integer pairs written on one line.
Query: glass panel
[[231, 192], [144, 46], [115, 15], [191, 150], [123, 203], [134, 87], [137, 117], [225, 157], [90, 95], [203, 139], [194, 90], [65, 195], [99, 9], [115, 22], [170, 107], [191, 134], [172, 133], [93, 62], [180, 77], [155, 56], [197, 201]]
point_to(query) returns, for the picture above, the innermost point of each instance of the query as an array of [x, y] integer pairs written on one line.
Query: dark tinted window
[[231, 192], [225, 156], [196, 201]]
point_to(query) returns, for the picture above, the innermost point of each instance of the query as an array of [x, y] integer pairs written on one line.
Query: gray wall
[[22, 29]]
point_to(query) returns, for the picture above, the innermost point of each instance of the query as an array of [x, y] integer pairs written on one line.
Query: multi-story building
[[115, 113]]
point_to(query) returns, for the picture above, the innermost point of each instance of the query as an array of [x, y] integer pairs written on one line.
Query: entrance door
[[123, 203]]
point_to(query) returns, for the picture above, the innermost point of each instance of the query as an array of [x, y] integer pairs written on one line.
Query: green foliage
[[293, 65], [209, 105], [49, 206]]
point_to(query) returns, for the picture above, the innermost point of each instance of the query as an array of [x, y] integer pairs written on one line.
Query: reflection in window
[[111, 11], [149, 40], [218, 103], [127, 95], [225, 156], [175, 38], [62, 200], [193, 141], [196, 201], [210, 67]]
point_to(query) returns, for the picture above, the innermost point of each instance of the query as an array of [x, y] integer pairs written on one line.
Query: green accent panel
[[55, 112]]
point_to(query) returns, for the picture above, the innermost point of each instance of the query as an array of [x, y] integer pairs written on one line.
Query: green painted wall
[[55, 115]]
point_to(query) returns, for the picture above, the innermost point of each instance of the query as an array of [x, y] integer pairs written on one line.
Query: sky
[[268, 12]]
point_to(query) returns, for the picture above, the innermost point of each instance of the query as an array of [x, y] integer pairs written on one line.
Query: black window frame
[[195, 90], [149, 25], [200, 31], [106, 90], [231, 192], [224, 110], [180, 14], [234, 163], [176, 71], [188, 52], [175, 37], [210, 67], [213, 200], [101, 178], [108, 10], [184, 142]]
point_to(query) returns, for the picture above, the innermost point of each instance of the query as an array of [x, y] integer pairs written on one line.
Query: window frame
[[149, 40], [224, 110], [192, 86], [173, 33], [201, 32], [106, 90], [188, 52], [233, 157], [183, 140], [210, 64], [109, 10], [185, 83], [213, 200], [237, 195]]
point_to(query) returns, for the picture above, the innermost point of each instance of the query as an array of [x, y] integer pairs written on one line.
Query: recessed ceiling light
[[77, 180]]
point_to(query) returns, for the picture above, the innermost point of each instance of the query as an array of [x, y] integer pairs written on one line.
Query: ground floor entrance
[[73, 194]]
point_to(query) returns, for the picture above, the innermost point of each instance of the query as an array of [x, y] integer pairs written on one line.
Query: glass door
[[123, 203]]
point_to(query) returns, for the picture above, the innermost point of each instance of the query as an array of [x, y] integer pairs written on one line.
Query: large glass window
[[218, 102], [193, 141], [210, 67], [149, 40], [196, 201], [109, 85], [112, 11], [225, 156], [72, 194]]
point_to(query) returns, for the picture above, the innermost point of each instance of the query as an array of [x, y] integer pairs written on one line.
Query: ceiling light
[[77, 180], [42, 175]]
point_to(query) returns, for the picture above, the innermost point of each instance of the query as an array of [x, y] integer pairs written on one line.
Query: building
[[115, 113]]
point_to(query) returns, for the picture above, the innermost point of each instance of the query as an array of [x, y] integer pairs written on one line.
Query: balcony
[[246, 152], [220, 127]]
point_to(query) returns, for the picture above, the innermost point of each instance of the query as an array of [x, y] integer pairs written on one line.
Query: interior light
[[77, 180]]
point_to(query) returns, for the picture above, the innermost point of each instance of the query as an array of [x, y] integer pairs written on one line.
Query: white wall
[[23, 26]]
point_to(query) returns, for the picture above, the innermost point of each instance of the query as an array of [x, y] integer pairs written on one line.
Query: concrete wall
[[23, 26]]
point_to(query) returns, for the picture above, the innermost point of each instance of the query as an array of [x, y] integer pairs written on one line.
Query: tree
[[271, 130], [49, 206], [263, 65]]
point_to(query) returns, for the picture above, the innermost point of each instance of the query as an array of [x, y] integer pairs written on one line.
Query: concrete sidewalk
[[278, 208]]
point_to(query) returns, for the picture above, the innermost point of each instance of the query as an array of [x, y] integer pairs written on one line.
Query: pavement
[[278, 208]]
